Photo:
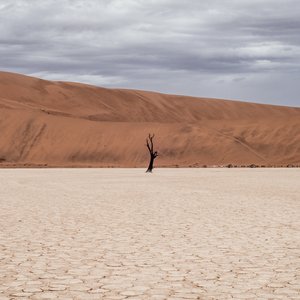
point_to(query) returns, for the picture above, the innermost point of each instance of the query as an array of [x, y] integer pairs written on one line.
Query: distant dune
[[62, 124]]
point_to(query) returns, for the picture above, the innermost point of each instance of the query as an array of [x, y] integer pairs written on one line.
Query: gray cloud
[[247, 49]]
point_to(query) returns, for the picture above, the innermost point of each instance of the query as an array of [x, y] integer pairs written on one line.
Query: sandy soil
[[48, 123], [173, 234]]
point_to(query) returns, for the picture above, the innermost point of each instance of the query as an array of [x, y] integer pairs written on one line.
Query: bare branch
[[148, 146], [151, 141]]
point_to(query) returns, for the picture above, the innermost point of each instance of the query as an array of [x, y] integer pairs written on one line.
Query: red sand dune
[[71, 124]]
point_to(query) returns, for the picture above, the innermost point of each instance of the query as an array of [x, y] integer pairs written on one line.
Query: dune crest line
[[78, 125]]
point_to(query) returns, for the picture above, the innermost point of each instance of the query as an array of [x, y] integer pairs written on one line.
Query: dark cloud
[[234, 49]]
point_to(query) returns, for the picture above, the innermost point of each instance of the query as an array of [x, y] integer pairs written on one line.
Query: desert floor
[[173, 234]]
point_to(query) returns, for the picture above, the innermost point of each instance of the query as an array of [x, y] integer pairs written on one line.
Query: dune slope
[[64, 124]]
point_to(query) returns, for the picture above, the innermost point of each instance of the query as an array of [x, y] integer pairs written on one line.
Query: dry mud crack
[[173, 234]]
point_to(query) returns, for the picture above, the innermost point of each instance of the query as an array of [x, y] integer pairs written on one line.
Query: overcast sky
[[234, 49]]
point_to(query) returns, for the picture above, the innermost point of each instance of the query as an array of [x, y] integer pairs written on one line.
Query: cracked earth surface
[[173, 234]]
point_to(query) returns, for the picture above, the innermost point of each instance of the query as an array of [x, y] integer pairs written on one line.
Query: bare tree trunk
[[150, 167], [153, 154]]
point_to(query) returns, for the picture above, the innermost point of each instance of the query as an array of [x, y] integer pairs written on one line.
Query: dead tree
[[153, 154]]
